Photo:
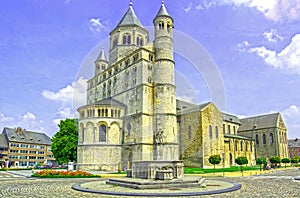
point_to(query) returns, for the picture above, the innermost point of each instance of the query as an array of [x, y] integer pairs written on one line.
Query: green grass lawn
[[192, 170]]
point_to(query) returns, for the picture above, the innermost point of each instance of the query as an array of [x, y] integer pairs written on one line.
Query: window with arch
[[189, 132], [115, 42], [264, 139], [246, 146], [217, 132], [241, 144], [271, 138], [128, 129], [256, 139], [139, 41], [126, 39], [210, 132], [102, 133], [161, 25], [236, 146]]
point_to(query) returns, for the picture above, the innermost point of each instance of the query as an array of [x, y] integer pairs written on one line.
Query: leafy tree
[[275, 160], [64, 142], [214, 159], [295, 159], [260, 162], [240, 161], [285, 161]]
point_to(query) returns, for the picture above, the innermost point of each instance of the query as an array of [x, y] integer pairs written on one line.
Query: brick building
[[22, 148]]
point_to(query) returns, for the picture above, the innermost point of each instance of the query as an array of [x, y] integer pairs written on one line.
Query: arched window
[[139, 41], [271, 138], [210, 132], [115, 42], [236, 146], [246, 146], [256, 139], [264, 139], [102, 136], [128, 129], [161, 25], [241, 144], [217, 132], [189, 132], [126, 39]]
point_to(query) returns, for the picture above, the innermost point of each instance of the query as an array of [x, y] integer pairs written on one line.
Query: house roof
[[101, 56], [230, 118], [190, 108], [162, 11], [130, 18], [110, 102], [3, 142], [23, 135], [294, 143], [262, 121]]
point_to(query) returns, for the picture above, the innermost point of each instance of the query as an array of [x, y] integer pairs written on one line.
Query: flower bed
[[63, 174]]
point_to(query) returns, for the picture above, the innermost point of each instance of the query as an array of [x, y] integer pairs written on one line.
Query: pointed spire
[[162, 11], [130, 18], [101, 56]]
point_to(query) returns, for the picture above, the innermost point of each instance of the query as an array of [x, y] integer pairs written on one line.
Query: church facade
[[132, 113]]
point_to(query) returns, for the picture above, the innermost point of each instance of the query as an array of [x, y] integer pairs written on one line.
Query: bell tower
[[164, 88]]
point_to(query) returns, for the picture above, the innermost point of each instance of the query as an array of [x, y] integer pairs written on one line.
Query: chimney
[[19, 130]]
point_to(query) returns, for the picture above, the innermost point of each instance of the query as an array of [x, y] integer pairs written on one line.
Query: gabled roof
[[110, 102], [230, 118], [162, 11], [102, 56], [3, 142], [130, 18], [25, 136], [262, 121], [193, 108], [181, 105], [294, 143]]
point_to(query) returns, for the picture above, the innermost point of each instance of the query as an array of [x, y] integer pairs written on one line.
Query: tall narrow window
[[189, 132], [264, 139], [210, 132], [224, 129], [126, 39], [241, 143], [102, 136], [271, 138], [217, 132], [228, 129], [256, 139]]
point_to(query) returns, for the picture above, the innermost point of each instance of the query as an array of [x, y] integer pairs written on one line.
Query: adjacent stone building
[[294, 147], [269, 133], [132, 114], [23, 148]]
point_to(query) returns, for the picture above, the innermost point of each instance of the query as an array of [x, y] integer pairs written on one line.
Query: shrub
[[240, 161], [285, 161], [62, 174]]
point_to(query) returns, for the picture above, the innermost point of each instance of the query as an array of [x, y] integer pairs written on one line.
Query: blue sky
[[44, 45]]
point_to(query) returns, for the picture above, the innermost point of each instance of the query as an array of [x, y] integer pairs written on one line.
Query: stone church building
[[132, 113]]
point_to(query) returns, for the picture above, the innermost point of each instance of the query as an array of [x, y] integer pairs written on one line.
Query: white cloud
[[188, 8], [243, 46], [4, 119], [288, 60], [96, 25], [70, 98], [272, 36], [275, 10], [291, 117], [27, 121]]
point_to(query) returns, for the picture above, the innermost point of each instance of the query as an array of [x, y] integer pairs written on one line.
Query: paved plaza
[[276, 184]]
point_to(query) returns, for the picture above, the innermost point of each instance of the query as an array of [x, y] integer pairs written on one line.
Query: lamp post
[[254, 140]]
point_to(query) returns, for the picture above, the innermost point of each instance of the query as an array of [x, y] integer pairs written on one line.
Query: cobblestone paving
[[5, 175], [278, 184]]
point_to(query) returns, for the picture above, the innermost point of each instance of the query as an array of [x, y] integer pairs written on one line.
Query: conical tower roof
[[101, 56], [163, 11], [130, 18]]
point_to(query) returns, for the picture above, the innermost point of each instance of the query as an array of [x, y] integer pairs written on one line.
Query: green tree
[[260, 162], [285, 161], [275, 160], [64, 142], [295, 159], [214, 159], [241, 161]]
